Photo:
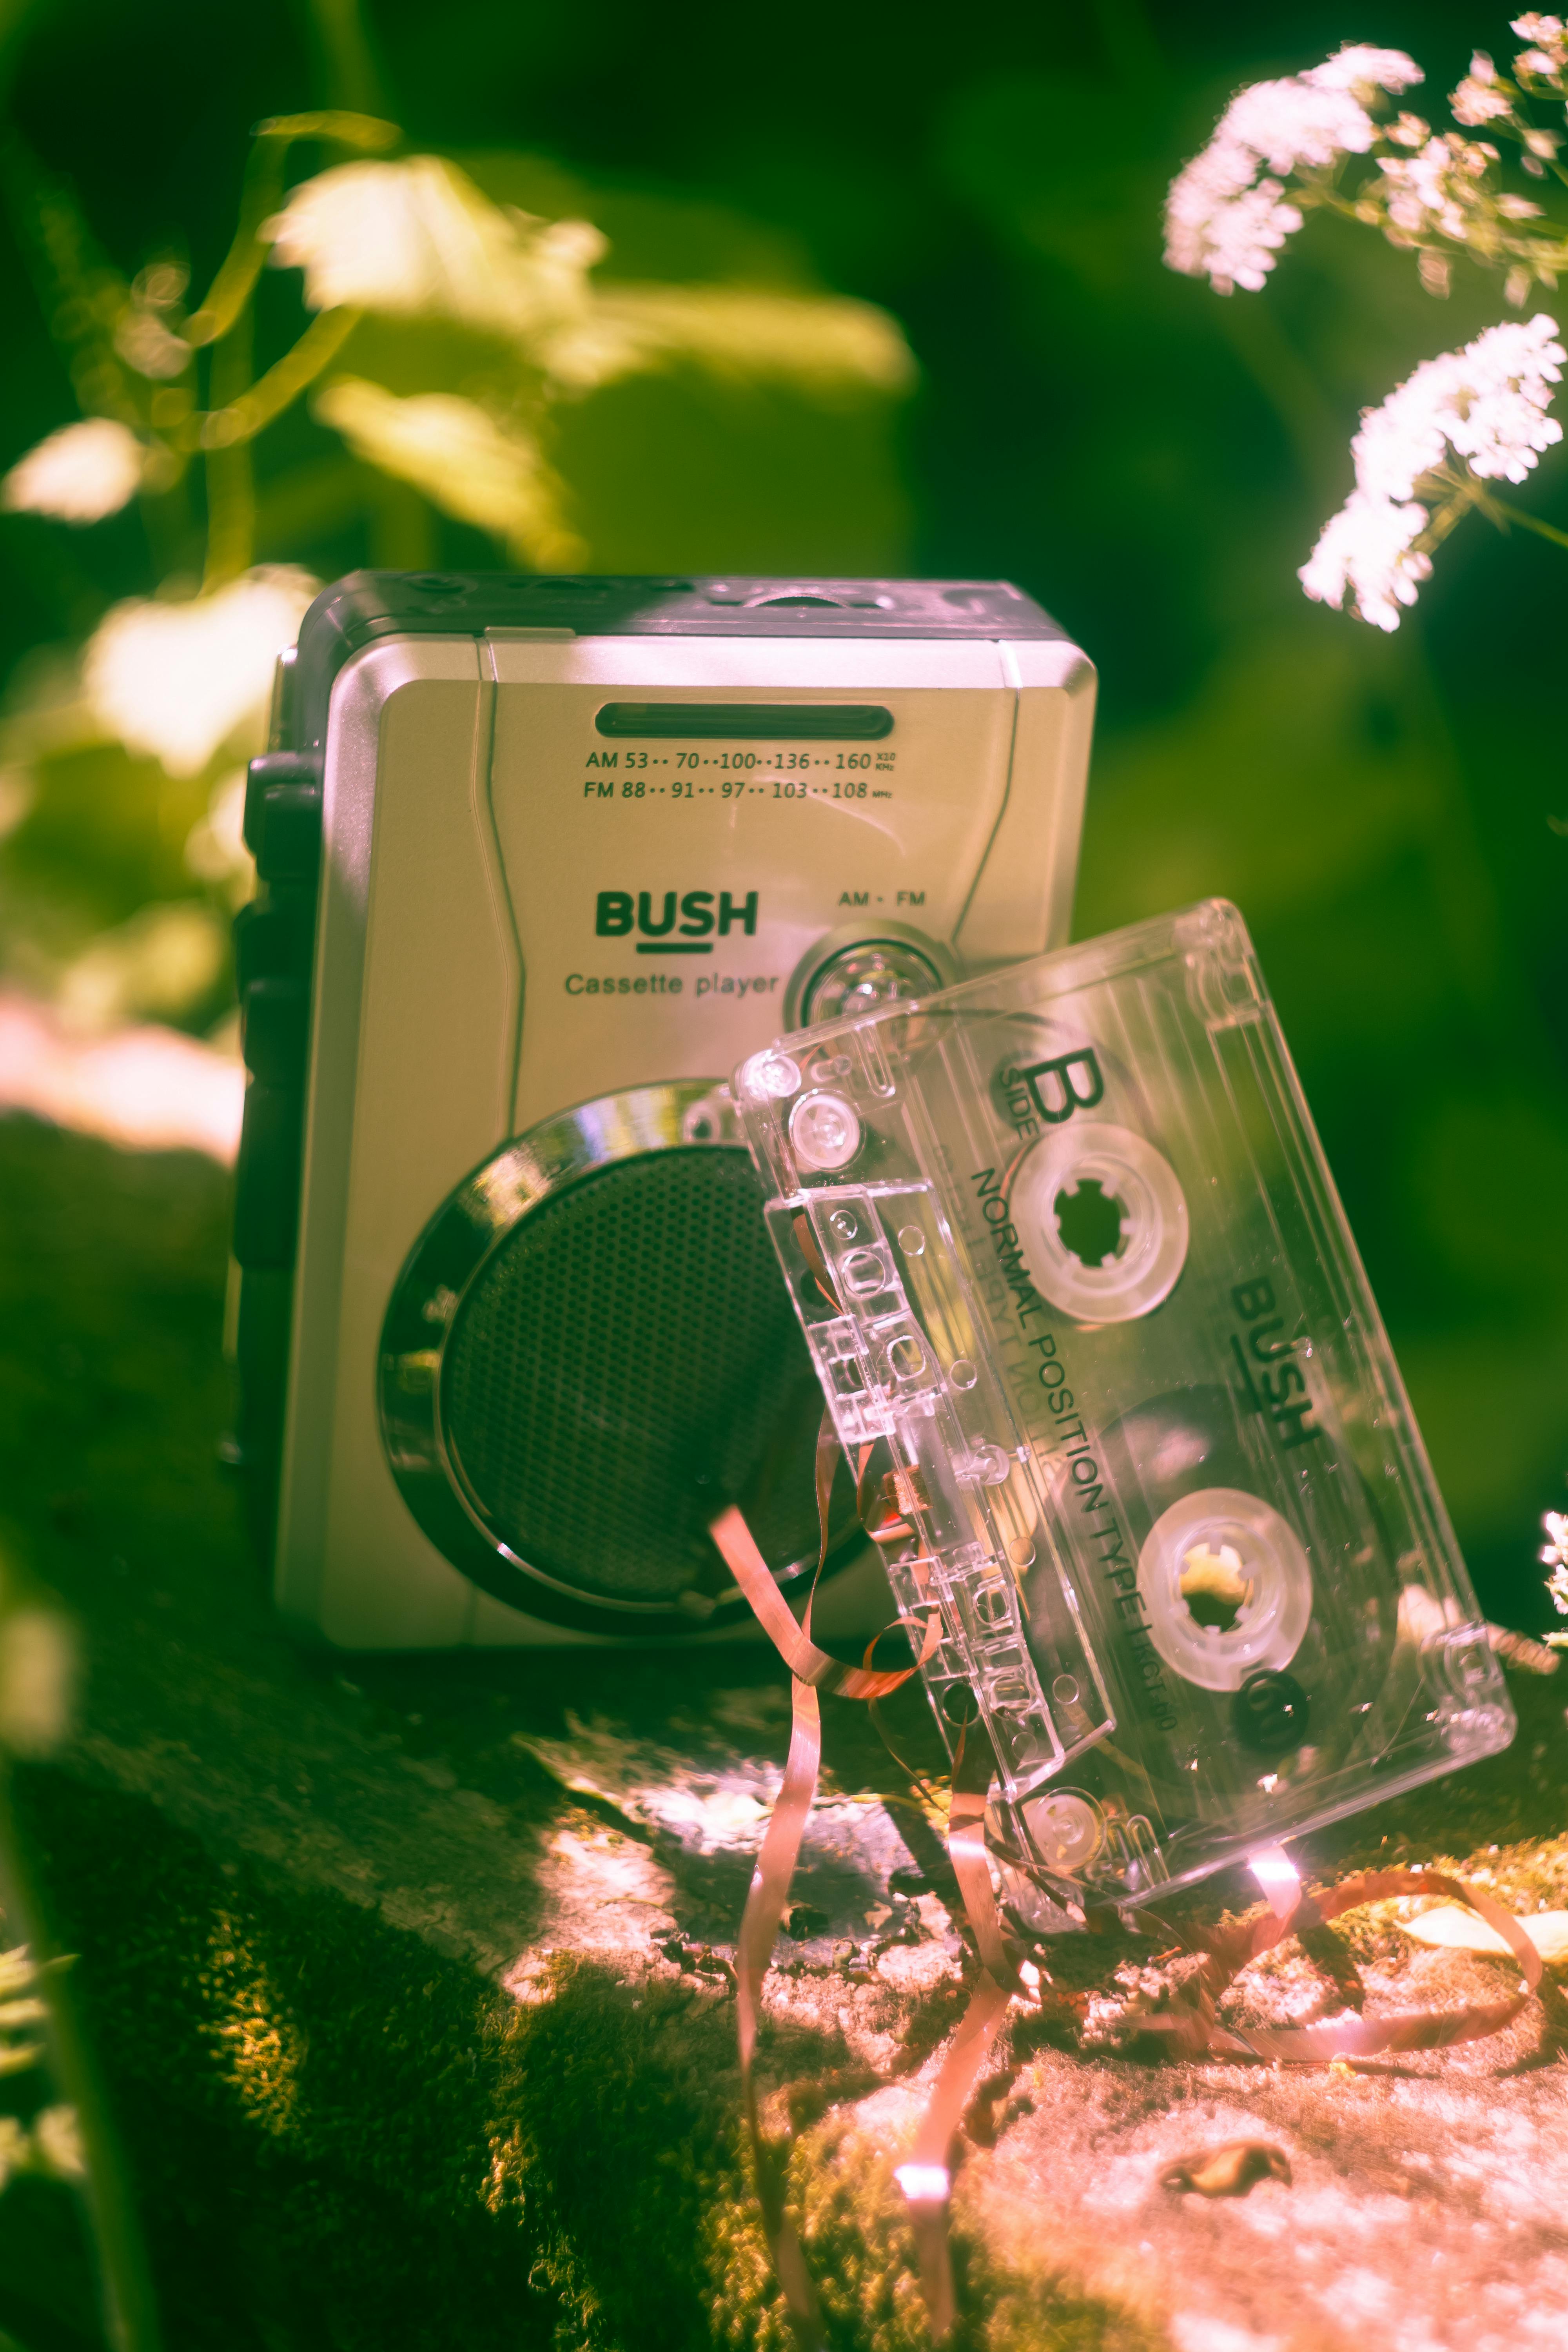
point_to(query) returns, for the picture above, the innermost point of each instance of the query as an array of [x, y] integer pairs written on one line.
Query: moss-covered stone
[[399, 1974]]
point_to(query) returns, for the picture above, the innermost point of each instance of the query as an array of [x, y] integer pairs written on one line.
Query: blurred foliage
[[453, 328], [1151, 461]]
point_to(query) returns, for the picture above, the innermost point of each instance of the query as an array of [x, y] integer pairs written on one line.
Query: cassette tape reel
[[1063, 1242]]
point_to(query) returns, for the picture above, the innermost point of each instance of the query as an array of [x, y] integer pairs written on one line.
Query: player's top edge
[[366, 606]]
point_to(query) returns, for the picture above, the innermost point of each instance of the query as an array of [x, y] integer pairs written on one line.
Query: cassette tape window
[[1063, 1239]]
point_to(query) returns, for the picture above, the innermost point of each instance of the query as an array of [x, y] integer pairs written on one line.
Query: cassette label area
[[1064, 1247]]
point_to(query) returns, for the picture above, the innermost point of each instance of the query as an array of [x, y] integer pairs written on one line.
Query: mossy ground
[[343, 2131]]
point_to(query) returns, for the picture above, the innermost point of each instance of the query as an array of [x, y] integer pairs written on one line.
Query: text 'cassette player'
[[1063, 1240]]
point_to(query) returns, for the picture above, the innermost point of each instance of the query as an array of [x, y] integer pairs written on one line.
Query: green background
[[1151, 461]]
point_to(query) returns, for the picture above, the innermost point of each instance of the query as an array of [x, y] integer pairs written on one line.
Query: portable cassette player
[[541, 861]]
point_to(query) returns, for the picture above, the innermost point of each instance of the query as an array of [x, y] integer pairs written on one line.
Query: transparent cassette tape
[[1063, 1240]]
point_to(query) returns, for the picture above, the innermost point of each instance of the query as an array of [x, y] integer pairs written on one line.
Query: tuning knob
[[858, 969]]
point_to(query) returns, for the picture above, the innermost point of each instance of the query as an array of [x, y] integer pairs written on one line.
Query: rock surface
[[408, 1978]]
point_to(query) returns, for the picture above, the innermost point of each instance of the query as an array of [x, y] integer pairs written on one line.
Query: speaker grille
[[625, 1362]]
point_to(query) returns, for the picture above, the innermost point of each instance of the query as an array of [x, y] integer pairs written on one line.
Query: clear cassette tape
[[1063, 1241]]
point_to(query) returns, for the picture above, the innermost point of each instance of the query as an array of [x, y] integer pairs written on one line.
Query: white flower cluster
[[1554, 1556], [1546, 59], [1540, 70], [1368, 552], [1227, 214], [1488, 405], [1478, 98], [1438, 192]]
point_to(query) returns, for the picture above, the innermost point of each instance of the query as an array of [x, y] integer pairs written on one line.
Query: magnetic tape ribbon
[[1192, 2026], [925, 2179], [1195, 2031]]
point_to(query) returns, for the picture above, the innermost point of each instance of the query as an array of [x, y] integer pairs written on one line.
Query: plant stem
[[166, 518], [350, 67], [231, 487], [259, 199], [1501, 512], [243, 418]]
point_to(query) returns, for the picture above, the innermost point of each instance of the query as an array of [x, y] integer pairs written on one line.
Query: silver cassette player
[[541, 859]]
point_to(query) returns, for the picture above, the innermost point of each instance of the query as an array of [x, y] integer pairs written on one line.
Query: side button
[[266, 1182], [274, 1031], [271, 941], [271, 768], [290, 846]]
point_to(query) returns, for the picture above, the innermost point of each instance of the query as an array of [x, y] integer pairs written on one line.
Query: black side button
[[266, 1182], [271, 941], [274, 1020], [271, 768], [262, 775], [290, 847]]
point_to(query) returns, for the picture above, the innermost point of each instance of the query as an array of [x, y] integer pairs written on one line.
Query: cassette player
[[541, 858], [1063, 1241]]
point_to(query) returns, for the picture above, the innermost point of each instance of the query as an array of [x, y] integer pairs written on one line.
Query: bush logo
[[675, 922], [1054, 1088]]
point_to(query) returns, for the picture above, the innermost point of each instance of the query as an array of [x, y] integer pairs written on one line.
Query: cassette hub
[[1101, 1221], [1226, 1587]]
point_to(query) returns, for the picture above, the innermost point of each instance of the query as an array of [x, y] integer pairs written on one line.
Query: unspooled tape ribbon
[[812, 1670], [1193, 2029], [925, 2179]]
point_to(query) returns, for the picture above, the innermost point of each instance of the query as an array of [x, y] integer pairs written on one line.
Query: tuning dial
[[857, 970]]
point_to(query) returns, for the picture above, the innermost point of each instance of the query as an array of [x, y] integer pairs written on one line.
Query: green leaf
[[823, 348], [471, 464]]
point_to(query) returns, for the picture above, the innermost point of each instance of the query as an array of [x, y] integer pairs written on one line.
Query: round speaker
[[590, 1351]]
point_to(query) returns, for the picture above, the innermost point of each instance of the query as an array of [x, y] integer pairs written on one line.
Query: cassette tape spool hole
[[1102, 1221], [1228, 1590]]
